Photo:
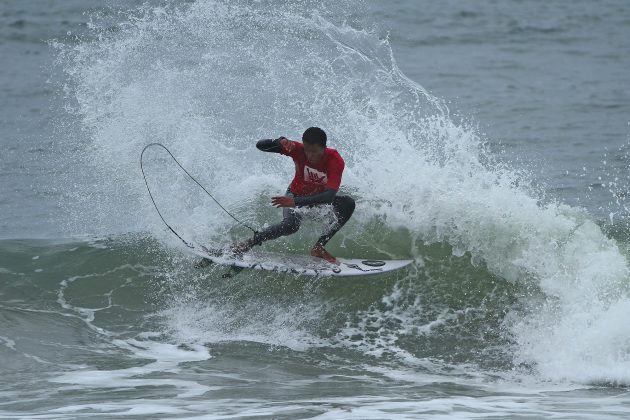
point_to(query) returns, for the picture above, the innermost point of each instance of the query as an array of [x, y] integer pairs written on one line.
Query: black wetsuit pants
[[343, 206]]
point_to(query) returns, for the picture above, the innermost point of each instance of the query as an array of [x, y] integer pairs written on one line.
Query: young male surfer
[[318, 171]]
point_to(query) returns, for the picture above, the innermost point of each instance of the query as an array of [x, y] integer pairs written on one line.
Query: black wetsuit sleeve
[[325, 197], [269, 145]]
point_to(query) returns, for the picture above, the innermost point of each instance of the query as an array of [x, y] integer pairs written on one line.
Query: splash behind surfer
[[318, 171]]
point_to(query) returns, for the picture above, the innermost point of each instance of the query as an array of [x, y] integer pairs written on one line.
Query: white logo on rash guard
[[314, 176]]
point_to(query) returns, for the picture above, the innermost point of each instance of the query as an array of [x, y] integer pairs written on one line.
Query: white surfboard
[[300, 264]]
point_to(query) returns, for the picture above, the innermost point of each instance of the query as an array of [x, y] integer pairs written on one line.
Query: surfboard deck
[[300, 264]]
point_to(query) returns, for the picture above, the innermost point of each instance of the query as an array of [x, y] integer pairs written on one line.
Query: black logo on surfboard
[[373, 263], [358, 267]]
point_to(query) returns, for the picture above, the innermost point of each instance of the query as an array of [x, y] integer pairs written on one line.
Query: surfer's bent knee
[[291, 226], [346, 204]]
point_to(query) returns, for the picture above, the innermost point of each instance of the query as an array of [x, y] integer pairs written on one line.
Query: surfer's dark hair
[[314, 135]]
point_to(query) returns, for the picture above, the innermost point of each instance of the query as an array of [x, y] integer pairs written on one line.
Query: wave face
[[501, 279]]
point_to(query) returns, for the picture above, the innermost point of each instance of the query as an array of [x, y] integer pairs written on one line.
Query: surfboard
[[299, 264]]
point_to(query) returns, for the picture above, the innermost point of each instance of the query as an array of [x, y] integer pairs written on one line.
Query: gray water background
[[548, 84]]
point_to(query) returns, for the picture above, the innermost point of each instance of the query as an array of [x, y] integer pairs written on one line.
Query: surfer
[[318, 171]]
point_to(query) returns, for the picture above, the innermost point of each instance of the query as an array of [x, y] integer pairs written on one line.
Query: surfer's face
[[313, 152]]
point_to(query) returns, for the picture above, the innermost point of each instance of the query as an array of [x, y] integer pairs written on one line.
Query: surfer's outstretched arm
[[273, 146], [280, 145], [269, 145]]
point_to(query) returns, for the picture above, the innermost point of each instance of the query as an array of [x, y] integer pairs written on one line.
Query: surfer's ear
[[314, 135]]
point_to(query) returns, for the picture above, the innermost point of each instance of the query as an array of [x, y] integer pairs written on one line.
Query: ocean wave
[[209, 78]]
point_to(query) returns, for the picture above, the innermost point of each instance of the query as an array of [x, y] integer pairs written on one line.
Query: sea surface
[[488, 141]]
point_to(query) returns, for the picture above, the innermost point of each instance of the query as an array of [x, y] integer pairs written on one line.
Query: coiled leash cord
[[196, 182]]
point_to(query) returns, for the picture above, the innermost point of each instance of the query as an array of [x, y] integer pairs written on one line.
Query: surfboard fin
[[203, 263], [232, 271]]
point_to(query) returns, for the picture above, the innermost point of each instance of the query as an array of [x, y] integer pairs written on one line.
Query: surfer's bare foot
[[319, 251], [242, 247]]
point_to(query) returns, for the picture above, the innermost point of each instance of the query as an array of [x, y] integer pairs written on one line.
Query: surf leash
[[196, 182]]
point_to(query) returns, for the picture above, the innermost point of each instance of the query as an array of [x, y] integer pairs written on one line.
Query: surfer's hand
[[287, 144], [282, 201]]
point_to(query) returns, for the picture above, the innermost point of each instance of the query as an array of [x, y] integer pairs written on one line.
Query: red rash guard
[[311, 178]]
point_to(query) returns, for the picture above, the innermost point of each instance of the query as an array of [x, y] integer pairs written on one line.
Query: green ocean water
[[125, 327]]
